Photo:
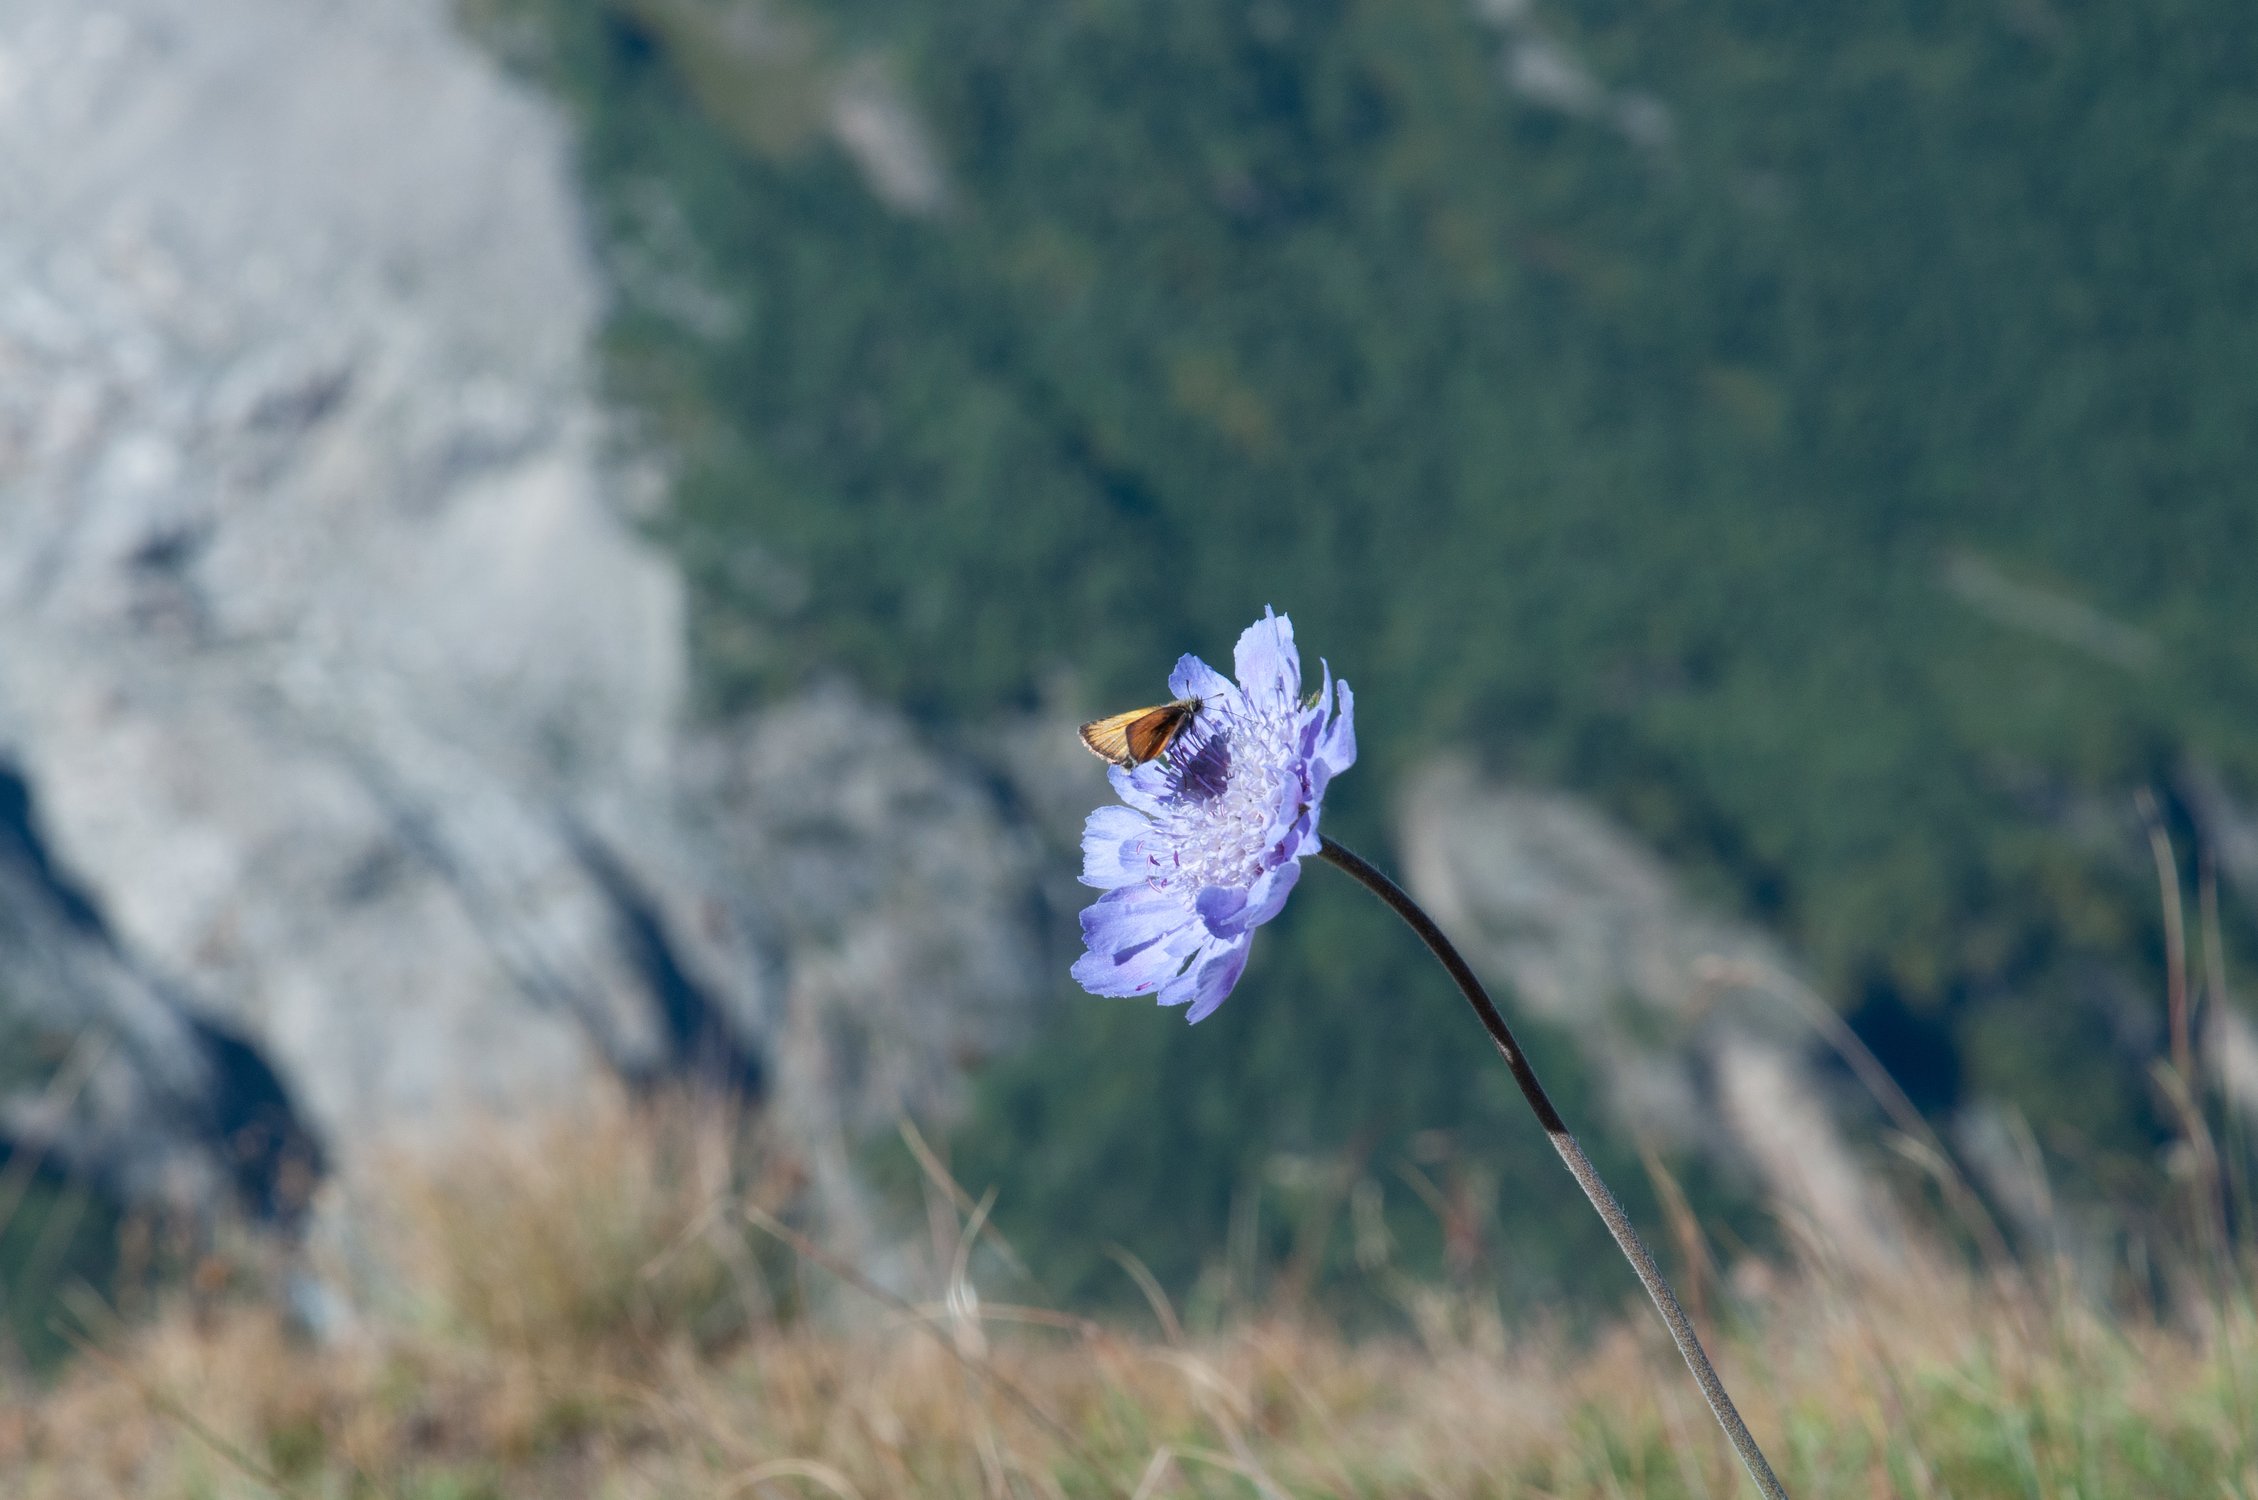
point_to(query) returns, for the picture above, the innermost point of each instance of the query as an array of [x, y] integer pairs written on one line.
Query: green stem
[[1579, 1165]]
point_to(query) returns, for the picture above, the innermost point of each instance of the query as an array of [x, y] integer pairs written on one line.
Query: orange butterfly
[[1131, 739]]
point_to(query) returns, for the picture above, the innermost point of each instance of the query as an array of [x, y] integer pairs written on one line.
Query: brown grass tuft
[[590, 1315]]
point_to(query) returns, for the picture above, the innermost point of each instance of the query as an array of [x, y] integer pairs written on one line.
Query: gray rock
[[320, 631], [1696, 1026], [345, 705], [897, 900]]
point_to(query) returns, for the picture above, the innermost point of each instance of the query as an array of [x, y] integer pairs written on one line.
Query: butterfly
[[1131, 739]]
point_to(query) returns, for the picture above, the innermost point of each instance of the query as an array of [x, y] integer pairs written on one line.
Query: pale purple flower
[[1212, 837]]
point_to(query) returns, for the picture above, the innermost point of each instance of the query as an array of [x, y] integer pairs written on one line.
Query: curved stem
[[1579, 1165]]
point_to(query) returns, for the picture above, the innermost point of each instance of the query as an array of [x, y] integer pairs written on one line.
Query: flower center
[[1230, 787]]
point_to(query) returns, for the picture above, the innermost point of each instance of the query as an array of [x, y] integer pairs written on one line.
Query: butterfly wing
[[1108, 738], [1153, 731], [1139, 735]]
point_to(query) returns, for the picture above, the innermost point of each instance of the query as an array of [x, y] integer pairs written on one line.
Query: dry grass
[[596, 1317]]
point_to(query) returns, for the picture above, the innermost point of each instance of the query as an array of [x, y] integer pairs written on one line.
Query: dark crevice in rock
[[701, 1044], [170, 550], [269, 1153], [22, 845], [240, 1110]]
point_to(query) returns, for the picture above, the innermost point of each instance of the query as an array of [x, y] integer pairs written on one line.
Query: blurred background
[[551, 551]]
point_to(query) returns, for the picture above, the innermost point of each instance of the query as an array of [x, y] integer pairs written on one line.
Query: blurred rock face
[[341, 705], [1696, 1026]]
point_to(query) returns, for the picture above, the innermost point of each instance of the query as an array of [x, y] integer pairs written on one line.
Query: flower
[[1211, 840]]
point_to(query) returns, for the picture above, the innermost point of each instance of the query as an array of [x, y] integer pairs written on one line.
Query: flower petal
[[1144, 972], [1146, 788], [1183, 988], [1219, 906], [1113, 848], [1214, 979], [1120, 923], [1336, 748], [1236, 911], [1313, 719], [1301, 841], [1268, 666], [1194, 678]]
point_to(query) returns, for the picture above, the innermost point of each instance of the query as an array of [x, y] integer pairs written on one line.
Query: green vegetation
[[1849, 485], [58, 1232]]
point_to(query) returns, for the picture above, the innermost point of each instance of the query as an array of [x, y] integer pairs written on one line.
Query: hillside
[[1822, 437]]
